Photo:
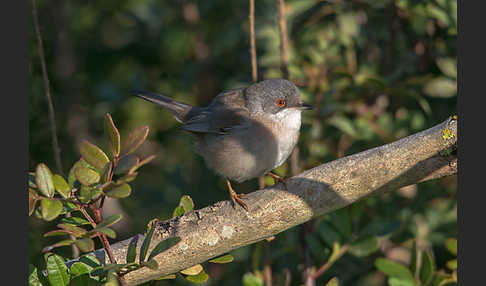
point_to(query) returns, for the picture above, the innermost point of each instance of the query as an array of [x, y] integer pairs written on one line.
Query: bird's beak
[[305, 106]]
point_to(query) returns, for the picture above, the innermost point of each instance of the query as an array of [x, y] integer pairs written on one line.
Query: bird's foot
[[236, 198], [277, 178]]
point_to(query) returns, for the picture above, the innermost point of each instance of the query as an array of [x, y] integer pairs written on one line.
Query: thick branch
[[219, 228]]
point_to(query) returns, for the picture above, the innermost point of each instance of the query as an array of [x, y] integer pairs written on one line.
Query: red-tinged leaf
[[127, 178], [58, 244], [126, 163], [143, 162], [93, 155], [57, 232], [107, 231], [135, 139], [86, 176], [107, 172], [43, 180], [74, 230], [113, 135], [61, 186], [109, 221], [50, 208]]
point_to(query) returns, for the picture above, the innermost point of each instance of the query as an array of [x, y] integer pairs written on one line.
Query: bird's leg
[[236, 198], [277, 178]]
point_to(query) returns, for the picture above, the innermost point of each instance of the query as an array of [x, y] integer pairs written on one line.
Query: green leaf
[[341, 221], [113, 135], [163, 246], [132, 250], [364, 246], [427, 268], [193, 270], [413, 258], [93, 155], [333, 282], [126, 179], [80, 274], [33, 276], [440, 87], [317, 248], [152, 264], [74, 220], [57, 270], [119, 192], [109, 221], [74, 230], [187, 203], [146, 243], [393, 269], [107, 231], [451, 245], [126, 163], [61, 186], [31, 179], [66, 242], [394, 281], [43, 180], [448, 66], [79, 268], [50, 208], [328, 234], [57, 232], [249, 279], [100, 271], [90, 260], [199, 278], [178, 211], [85, 244], [32, 201], [380, 228], [227, 258], [452, 264], [165, 277], [106, 172], [71, 176], [86, 176], [135, 139]]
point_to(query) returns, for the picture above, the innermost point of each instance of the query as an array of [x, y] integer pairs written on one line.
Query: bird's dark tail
[[179, 110]]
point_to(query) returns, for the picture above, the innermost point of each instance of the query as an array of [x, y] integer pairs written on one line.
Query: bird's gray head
[[273, 96]]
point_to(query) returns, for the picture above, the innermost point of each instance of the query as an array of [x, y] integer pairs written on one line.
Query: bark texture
[[218, 229]]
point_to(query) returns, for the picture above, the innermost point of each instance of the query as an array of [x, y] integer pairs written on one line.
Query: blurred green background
[[376, 71]]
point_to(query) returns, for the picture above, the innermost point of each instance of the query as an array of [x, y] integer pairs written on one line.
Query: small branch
[[330, 262], [219, 228], [254, 71], [52, 119], [283, 39]]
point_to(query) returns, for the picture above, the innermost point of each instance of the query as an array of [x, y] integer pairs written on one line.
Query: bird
[[243, 133]]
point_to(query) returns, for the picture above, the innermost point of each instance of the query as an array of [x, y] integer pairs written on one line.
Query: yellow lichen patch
[[447, 134]]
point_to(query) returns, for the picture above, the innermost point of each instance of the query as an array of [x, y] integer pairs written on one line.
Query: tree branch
[[219, 228]]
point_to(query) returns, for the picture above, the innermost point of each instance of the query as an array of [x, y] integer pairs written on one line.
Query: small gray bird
[[244, 133]]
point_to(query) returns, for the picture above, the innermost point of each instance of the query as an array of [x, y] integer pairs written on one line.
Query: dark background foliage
[[376, 71]]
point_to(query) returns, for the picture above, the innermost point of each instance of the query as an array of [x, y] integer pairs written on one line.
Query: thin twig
[[254, 72], [284, 62], [52, 118], [330, 262]]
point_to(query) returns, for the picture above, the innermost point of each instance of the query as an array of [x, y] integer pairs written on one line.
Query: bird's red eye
[[280, 102]]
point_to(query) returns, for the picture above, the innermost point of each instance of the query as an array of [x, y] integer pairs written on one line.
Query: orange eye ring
[[280, 102]]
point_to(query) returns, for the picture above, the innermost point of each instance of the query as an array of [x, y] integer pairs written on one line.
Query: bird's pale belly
[[235, 157]]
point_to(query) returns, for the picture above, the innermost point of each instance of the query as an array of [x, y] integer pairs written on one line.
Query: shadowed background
[[376, 71]]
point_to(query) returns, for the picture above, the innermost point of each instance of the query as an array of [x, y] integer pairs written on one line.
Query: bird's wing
[[226, 113]]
